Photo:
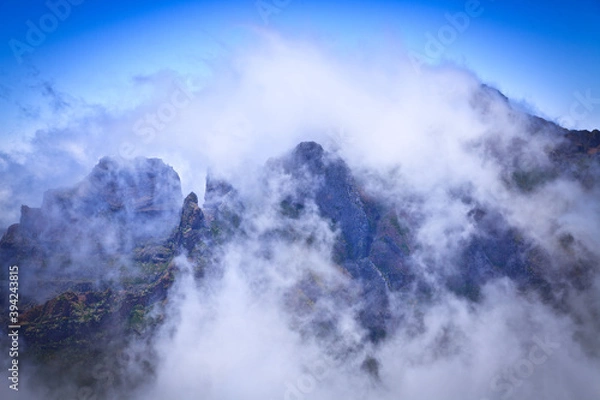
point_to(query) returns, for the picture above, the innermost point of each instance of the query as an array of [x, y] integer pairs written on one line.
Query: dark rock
[[223, 208], [137, 192], [336, 194], [370, 248], [88, 232], [192, 223], [497, 250], [125, 220]]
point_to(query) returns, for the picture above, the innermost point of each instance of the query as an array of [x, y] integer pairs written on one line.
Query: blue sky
[[544, 55]]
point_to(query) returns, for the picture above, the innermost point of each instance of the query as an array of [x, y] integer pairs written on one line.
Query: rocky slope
[[97, 260]]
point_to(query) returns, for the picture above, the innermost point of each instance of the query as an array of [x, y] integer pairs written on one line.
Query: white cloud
[[416, 140]]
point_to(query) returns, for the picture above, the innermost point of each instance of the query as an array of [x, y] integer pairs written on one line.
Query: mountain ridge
[[115, 212]]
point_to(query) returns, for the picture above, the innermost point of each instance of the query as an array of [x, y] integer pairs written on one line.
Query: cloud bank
[[433, 145]]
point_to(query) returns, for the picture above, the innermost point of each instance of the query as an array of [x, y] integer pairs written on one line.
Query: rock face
[[96, 260], [90, 231], [140, 197], [337, 196], [192, 223], [365, 247], [373, 244], [142, 186]]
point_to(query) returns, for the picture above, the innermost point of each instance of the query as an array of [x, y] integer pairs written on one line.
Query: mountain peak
[[310, 154]]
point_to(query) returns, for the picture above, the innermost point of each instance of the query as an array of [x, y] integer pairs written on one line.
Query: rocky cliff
[[97, 259]]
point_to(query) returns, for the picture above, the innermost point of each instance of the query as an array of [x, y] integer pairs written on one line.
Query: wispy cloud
[[434, 146]]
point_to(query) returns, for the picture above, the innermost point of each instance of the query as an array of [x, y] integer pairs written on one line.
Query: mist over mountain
[[315, 279], [361, 231]]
